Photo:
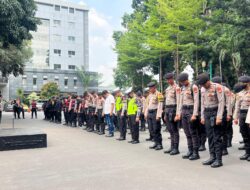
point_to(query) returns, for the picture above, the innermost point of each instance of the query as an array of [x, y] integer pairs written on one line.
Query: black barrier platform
[[15, 139]]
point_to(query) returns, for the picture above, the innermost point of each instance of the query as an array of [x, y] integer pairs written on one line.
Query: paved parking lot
[[78, 160]]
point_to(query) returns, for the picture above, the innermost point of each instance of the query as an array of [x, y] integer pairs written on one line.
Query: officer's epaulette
[[160, 97]]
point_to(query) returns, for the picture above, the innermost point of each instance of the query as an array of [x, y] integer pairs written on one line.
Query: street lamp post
[[203, 64]]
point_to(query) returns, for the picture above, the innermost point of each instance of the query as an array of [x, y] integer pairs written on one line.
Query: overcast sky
[[104, 18]]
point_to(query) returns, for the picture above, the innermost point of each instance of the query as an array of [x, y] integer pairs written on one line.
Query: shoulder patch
[[178, 90], [219, 89], [195, 89], [160, 97]]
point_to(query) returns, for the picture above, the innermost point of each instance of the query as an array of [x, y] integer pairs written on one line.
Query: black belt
[[186, 107], [211, 109], [170, 106], [243, 111], [152, 111]]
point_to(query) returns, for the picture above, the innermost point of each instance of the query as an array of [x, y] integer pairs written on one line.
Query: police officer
[[123, 123], [172, 94], [91, 112], [81, 112], [134, 112], [66, 102], [212, 109], [188, 111], [238, 89], [58, 109], [241, 110], [73, 111], [153, 113], [118, 107], [99, 112], [227, 115], [142, 99]]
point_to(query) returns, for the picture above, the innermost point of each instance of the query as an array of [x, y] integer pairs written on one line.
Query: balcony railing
[[3, 80]]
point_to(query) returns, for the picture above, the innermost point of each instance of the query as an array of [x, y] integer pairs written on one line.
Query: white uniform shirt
[[107, 104]]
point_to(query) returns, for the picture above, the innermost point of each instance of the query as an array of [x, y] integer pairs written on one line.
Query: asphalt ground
[[78, 160]]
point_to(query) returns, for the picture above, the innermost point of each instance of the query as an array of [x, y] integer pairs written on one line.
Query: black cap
[[169, 76], [139, 93], [217, 79], [183, 77], [203, 78], [151, 84], [244, 79], [238, 87]]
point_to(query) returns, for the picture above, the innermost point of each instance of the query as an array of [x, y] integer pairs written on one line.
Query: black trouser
[[33, 111], [229, 131], [134, 127], [100, 121], [21, 110], [81, 118], [172, 126], [245, 130], [214, 134], [154, 127], [143, 121], [224, 132], [59, 116], [73, 117], [91, 118], [66, 116], [116, 124], [190, 129], [202, 134], [0, 116], [123, 127], [53, 115], [118, 119]]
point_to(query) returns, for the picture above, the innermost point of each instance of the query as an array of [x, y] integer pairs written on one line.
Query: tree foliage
[[49, 90], [166, 35], [17, 19]]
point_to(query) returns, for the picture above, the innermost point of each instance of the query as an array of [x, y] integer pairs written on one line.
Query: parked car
[[39, 104], [8, 107]]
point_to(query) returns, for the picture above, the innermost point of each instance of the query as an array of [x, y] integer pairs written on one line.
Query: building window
[[24, 80], [57, 38], [56, 80], [57, 66], [57, 23], [71, 10], [71, 25], [45, 79], [71, 53], [57, 8], [72, 67], [71, 38], [57, 51], [34, 81], [75, 82], [66, 80]]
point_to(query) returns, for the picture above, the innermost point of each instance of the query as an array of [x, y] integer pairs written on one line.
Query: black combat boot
[[209, 161], [229, 142], [169, 150], [216, 164], [159, 147], [202, 148], [188, 154], [195, 155], [175, 151], [224, 152], [153, 146], [245, 157]]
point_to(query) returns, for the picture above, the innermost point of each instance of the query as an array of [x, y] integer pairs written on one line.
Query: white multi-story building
[[60, 46], [61, 41]]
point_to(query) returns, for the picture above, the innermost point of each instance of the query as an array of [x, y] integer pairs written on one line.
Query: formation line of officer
[[205, 109]]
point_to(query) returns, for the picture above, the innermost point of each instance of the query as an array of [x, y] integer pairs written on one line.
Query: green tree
[[49, 90], [33, 96], [17, 20]]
